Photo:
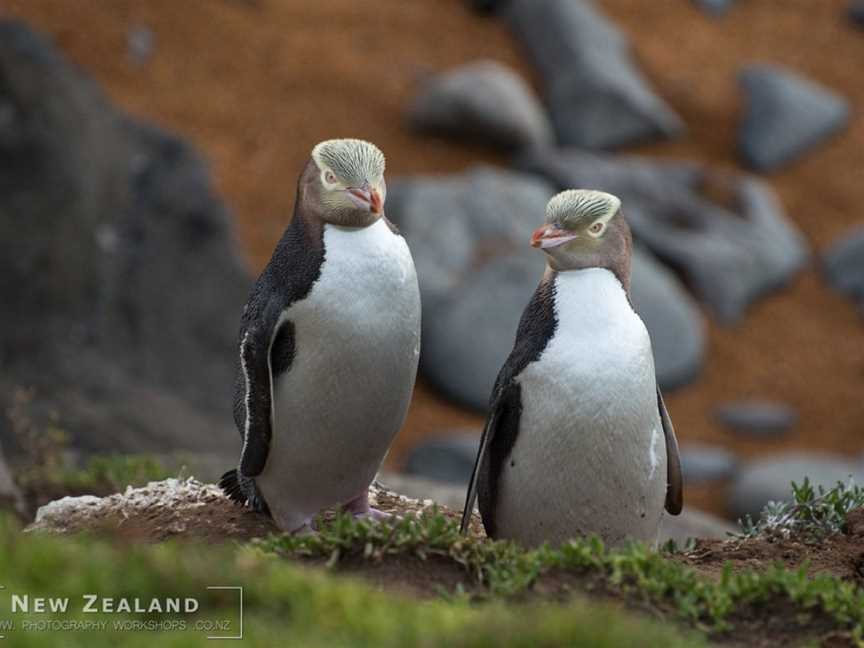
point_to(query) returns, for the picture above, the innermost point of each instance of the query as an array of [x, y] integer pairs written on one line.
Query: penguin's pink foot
[[359, 508], [305, 529]]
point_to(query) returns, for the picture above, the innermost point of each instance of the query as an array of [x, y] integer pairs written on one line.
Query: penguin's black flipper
[[536, 328], [471, 497], [674, 477]]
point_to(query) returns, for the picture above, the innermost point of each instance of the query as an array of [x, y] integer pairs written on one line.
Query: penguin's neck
[[591, 301]]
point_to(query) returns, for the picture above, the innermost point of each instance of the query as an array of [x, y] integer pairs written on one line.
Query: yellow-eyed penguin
[[578, 440], [329, 343]]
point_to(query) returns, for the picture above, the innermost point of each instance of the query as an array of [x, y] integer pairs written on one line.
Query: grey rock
[[758, 419], [596, 96], [693, 523], [786, 116], [731, 249], [715, 7], [765, 480], [447, 458], [121, 280], [419, 488], [844, 264], [469, 336], [856, 12], [701, 462], [672, 318], [483, 101], [140, 44], [10, 495]]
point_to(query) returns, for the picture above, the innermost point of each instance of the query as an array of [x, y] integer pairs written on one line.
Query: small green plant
[[813, 514]]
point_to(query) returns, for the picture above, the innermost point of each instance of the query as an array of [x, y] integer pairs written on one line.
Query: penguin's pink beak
[[549, 236], [367, 197]]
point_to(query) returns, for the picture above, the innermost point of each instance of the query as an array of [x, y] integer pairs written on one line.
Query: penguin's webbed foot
[[359, 508]]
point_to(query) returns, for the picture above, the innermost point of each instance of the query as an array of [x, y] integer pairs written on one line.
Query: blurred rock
[[701, 462], [758, 419], [469, 236], [469, 336], [726, 234], [596, 97], [765, 480], [485, 102], [441, 492], [447, 458], [487, 6], [10, 495], [121, 281], [844, 264], [671, 317], [714, 7], [693, 523], [856, 12], [786, 116], [140, 43]]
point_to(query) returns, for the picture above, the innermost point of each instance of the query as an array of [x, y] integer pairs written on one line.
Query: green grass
[[502, 569], [287, 605]]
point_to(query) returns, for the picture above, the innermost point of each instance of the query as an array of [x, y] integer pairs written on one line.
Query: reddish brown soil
[[255, 83]]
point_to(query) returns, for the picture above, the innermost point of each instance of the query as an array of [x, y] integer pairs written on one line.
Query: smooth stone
[[843, 263], [714, 7], [485, 102], [140, 44], [447, 458], [597, 97], [757, 419], [726, 234], [469, 336], [786, 116], [702, 462], [765, 480], [672, 318]]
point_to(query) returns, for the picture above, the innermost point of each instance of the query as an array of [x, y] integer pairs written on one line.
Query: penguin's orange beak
[[549, 236]]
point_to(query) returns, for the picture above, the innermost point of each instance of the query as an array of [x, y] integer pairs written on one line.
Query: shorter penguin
[[577, 440]]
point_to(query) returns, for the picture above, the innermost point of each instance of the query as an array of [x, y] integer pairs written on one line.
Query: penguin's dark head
[[344, 182], [585, 229]]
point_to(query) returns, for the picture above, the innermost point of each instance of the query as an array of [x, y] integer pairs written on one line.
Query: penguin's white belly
[[346, 394], [590, 456]]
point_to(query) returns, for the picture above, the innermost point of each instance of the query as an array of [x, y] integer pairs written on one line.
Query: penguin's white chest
[[590, 455], [346, 394]]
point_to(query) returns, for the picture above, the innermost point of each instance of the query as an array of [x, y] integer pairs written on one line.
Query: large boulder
[[469, 236], [484, 102], [597, 97], [786, 116], [121, 280], [727, 234]]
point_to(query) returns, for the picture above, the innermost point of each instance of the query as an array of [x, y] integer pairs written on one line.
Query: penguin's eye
[[329, 177], [597, 228]]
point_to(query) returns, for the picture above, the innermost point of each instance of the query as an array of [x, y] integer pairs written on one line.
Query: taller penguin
[[578, 440], [328, 347]]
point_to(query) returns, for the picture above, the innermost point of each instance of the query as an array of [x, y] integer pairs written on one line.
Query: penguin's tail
[[230, 485], [243, 490]]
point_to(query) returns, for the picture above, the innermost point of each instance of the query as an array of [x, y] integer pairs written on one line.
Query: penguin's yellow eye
[[596, 229], [329, 177]]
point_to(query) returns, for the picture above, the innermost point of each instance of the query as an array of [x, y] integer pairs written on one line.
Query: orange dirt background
[[256, 83]]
